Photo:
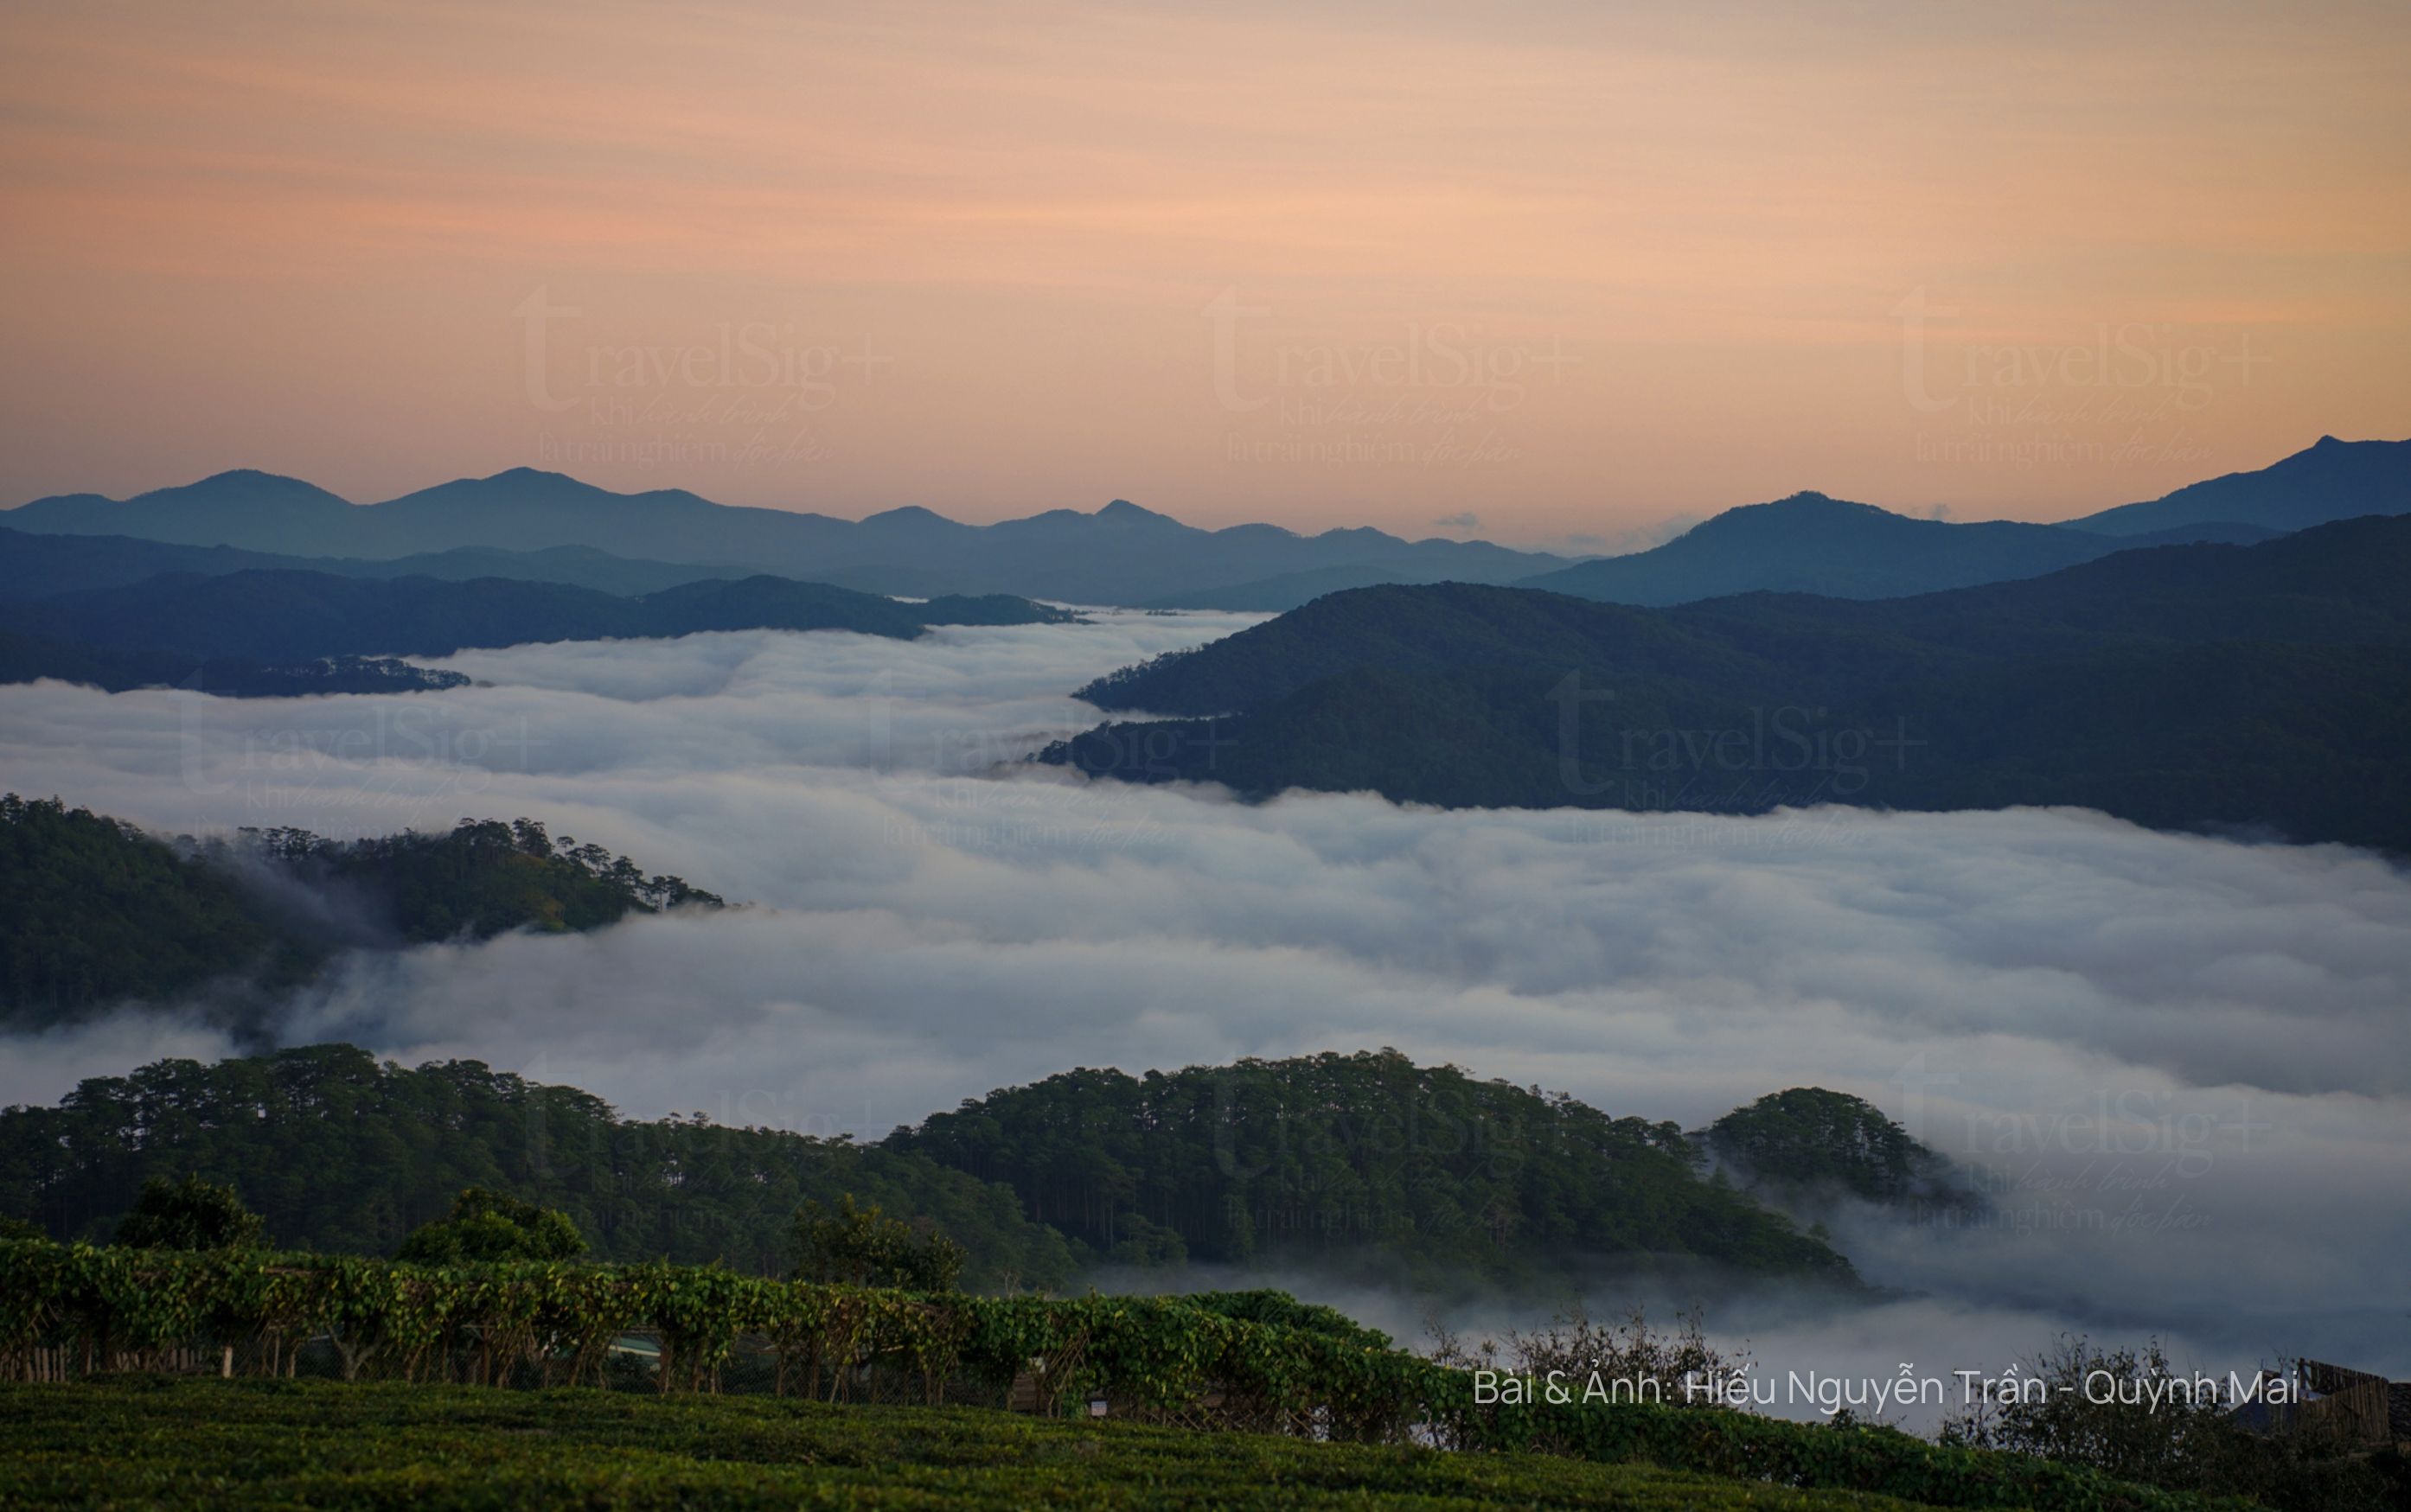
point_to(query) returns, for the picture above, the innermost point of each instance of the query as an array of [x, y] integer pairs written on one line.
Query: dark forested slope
[[338, 1152], [94, 911], [2265, 686], [1811, 1142], [297, 616], [1364, 1162]]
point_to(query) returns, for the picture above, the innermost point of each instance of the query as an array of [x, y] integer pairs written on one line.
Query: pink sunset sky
[[1549, 273]]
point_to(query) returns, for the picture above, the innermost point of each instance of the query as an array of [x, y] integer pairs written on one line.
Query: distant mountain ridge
[[1812, 544], [1121, 553], [2330, 479], [41, 566]]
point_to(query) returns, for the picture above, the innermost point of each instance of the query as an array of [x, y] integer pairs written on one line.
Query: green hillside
[[94, 911], [1366, 1163], [339, 1153]]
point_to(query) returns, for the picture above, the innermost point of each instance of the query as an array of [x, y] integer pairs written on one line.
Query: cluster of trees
[[190, 1214], [339, 1153], [859, 1246], [2267, 685], [1808, 1142], [94, 911], [485, 1227], [1364, 1161], [483, 878]]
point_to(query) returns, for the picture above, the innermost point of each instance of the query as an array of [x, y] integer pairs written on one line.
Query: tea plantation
[[136, 1441]]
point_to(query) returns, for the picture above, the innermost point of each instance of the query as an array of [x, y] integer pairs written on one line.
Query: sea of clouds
[[2184, 1063]]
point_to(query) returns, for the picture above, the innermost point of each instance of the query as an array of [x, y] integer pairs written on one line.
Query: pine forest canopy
[[1338, 1163]]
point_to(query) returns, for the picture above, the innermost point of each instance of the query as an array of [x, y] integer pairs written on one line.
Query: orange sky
[[1567, 268]]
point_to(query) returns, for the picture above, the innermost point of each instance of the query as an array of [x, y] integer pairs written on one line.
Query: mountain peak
[[1123, 512], [913, 517], [238, 482], [1807, 506]]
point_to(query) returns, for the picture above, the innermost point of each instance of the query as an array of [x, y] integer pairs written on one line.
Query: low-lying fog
[[2189, 1058]]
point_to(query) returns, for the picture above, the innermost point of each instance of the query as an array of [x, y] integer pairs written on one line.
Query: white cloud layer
[[2189, 1059]]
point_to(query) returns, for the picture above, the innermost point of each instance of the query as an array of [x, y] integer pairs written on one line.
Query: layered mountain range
[[1121, 553], [2263, 688], [547, 527]]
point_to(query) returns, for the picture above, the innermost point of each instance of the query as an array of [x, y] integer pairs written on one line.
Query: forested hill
[[1362, 1167], [283, 615], [2266, 687], [94, 911], [1810, 1144], [340, 1152], [1364, 1163]]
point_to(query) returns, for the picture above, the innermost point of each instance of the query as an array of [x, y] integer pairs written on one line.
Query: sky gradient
[[1549, 274]]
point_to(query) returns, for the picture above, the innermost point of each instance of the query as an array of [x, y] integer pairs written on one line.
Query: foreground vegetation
[[147, 1441], [1236, 1360], [491, 1296]]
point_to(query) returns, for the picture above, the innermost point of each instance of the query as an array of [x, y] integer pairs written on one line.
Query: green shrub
[[489, 1226], [192, 1213], [863, 1247]]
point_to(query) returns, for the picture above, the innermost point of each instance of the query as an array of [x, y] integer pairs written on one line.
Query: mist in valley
[[2177, 1065]]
